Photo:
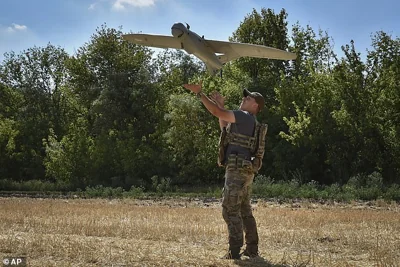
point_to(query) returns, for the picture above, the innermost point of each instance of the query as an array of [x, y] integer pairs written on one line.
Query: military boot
[[233, 254], [251, 252]]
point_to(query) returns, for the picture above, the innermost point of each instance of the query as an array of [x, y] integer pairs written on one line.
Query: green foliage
[[118, 116], [263, 28], [32, 185], [99, 191], [393, 193], [192, 138], [368, 187], [136, 192], [70, 160], [161, 185], [31, 85], [8, 135]]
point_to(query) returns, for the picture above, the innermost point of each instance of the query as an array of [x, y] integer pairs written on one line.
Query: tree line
[[116, 114]]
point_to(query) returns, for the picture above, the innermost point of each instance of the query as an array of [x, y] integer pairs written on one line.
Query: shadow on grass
[[258, 262]]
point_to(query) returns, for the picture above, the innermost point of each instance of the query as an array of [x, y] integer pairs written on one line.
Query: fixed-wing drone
[[213, 53]]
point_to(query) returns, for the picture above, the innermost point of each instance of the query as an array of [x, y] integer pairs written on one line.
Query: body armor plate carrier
[[255, 143]]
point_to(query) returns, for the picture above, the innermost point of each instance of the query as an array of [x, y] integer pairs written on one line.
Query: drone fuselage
[[212, 52], [192, 43]]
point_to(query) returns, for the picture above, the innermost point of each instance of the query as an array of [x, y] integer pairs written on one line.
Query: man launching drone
[[242, 140], [241, 151]]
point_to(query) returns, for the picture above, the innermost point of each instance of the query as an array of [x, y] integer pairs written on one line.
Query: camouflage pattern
[[260, 133], [222, 144], [236, 206], [255, 144]]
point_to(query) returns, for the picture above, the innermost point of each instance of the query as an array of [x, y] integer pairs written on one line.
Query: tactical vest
[[255, 143]]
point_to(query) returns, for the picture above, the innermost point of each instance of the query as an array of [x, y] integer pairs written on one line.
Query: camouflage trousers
[[236, 206]]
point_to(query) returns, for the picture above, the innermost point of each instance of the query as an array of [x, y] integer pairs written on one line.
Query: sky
[[70, 23]]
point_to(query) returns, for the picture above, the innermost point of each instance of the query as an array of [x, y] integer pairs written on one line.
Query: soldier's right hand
[[195, 88]]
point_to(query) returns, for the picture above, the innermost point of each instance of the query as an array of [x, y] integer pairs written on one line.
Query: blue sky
[[69, 24]]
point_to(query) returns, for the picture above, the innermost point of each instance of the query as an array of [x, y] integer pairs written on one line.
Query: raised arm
[[212, 107], [219, 100]]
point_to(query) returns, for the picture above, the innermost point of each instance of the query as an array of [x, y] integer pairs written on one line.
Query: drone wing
[[232, 50], [160, 41]]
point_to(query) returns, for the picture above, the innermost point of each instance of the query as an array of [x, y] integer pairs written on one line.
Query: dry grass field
[[128, 232]]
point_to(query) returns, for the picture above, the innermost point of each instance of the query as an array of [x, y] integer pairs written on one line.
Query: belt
[[238, 160]]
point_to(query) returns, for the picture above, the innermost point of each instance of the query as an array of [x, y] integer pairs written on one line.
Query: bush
[[32, 185], [100, 191], [134, 192], [266, 187], [309, 190], [331, 192], [374, 180], [369, 193], [261, 184], [161, 185], [349, 192], [392, 193], [8, 185]]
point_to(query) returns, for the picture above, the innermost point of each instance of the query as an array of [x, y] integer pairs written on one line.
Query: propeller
[[187, 26]]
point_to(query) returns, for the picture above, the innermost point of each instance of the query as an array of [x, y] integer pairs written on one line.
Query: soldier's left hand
[[217, 98]]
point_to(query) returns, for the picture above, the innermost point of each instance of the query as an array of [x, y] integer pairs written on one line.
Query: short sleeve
[[241, 117]]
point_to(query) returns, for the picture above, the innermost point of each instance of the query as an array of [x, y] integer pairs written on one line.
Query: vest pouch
[[238, 162], [222, 145]]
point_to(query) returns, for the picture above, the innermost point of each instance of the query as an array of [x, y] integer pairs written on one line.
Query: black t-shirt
[[244, 124]]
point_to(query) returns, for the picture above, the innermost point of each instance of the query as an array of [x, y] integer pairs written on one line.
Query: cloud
[[11, 39], [123, 4], [16, 27], [92, 6]]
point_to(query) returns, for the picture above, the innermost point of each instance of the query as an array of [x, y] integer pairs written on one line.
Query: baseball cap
[[257, 96]]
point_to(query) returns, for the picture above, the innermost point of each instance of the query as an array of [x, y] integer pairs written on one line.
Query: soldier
[[238, 150]]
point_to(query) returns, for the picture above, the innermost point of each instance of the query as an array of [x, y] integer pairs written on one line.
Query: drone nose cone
[[179, 26], [176, 32], [178, 29]]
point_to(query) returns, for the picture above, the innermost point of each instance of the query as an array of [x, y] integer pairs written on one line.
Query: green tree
[[190, 133], [306, 99], [264, 28], [37, 75], [111, 85], [10, 104], [383, 72], [263, 75]]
